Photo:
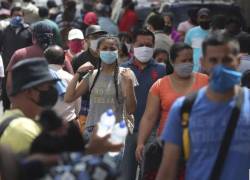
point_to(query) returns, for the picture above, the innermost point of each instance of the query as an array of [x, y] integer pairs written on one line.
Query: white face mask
[[93, 44], [143, 54]]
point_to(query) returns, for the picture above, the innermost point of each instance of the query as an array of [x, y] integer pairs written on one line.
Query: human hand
[[139, 152], [101, 145], [126, 75], [85, 67]]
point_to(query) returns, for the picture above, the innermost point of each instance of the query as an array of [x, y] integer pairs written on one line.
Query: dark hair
[[43, 33], [244, 41], [156, 21], [218, 21], [125, 36], [217, 39], [5, 4], [51, 4], [170, 15], [50, 121], [234, 20], [143, 32], [99, 68], [54, 55], [14, 9], [245, 81], [43, 12], [176, 48], [159, 51], [69, 11]]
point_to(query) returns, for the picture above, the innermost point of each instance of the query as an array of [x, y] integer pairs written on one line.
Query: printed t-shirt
[[164, 90], [103, 96]]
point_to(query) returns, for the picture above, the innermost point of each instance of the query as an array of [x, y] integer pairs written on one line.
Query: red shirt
[[128, 21], [24, 53]]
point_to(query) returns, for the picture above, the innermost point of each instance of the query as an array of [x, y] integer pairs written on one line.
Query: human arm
[[128, 79], [172, 136], [147, 123], [187, 38], [101, 145], [169, 165], [75, 89]]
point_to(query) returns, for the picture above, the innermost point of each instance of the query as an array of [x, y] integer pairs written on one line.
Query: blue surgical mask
[[16, 21], [224, 78], [109, 57]]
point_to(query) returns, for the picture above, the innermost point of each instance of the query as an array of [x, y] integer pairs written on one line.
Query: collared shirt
[[68, 111], [20, 133], [145, 77]]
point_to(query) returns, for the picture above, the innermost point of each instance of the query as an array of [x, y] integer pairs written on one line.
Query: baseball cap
[[94, 29], [75, 34], [203, 12]]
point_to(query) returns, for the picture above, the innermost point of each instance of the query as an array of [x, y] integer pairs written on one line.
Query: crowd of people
[[182, 91]]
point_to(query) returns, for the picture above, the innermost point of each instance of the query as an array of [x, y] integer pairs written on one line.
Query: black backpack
[[154, 151]]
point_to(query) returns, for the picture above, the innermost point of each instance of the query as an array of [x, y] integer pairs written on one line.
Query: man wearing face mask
[[18, 32], [147, 71], [156, 25], [209, 120], [93, 33], [76, 45], [195, 36], [233, 28], [31, 93]]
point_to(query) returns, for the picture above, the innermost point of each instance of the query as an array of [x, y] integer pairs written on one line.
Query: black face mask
[[205, 25], [47, 98], [168, 29]]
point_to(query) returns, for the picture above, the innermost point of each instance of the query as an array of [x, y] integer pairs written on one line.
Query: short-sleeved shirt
[[194, 38], [163, 89], [24, 53], [207, 125], [20, 133], [82, 58], [145, 77], [185, 26], [103, 96], [244, 63]]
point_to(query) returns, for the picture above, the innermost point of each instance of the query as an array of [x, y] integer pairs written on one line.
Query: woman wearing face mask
[[166, 90], [109, 85]]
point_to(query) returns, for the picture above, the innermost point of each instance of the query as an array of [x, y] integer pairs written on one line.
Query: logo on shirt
[[154, 75]]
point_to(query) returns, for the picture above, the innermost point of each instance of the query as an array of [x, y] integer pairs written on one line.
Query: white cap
[[75, 34]]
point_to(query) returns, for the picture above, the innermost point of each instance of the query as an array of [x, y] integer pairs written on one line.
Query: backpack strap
[[185, 115], [5, 123], [227, 137]]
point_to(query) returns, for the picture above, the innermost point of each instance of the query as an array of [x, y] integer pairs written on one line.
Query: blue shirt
[[207, 125], [145, 77], [194, 37]]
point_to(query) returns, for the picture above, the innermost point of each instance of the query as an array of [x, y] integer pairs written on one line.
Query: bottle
[[118, 135], [106, 124]]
